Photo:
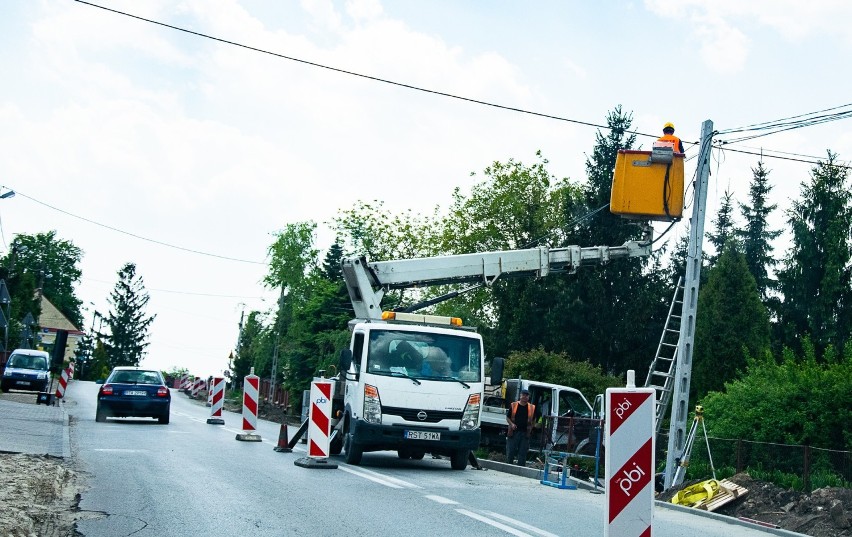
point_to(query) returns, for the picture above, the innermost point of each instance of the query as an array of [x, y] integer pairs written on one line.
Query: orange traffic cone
[[283, 443]]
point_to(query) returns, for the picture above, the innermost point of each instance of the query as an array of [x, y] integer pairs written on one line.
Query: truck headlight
[[470, 416], [372, 405]]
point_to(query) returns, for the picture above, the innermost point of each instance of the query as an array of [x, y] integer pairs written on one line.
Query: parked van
[[26, 369]]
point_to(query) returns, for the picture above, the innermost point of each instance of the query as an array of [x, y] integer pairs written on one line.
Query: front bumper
[[371, 437]]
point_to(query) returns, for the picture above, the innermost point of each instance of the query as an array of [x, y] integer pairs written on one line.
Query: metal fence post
[[806, 467]]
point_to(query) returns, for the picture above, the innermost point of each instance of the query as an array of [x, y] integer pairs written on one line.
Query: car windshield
[[424, 356], [23, 361], [135, 377]]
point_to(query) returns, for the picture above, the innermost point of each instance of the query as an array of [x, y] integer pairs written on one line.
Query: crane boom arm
[[367, 282]]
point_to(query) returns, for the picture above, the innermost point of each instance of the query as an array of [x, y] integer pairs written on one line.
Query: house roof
[[51, 318]]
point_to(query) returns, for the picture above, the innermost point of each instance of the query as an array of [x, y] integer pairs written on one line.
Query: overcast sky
[[111, 124]]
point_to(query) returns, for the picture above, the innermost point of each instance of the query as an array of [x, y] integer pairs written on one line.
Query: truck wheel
[[403, 453], [418, 454], [353, 452], [458, 460], [336, 445]]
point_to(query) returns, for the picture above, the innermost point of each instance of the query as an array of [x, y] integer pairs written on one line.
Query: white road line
[[119, 450], [518, 523], [392, 479], [441, 499], [507, 529], [371, 478]]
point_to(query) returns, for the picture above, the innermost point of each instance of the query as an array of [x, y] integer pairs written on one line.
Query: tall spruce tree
[[815, 279], [127, 321], [755, 236], [725, 227], [732, 324]]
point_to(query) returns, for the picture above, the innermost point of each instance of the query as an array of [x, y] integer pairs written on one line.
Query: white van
[[26, 369]]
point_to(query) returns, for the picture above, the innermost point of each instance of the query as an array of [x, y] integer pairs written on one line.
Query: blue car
[[26, 369], [134, 392]]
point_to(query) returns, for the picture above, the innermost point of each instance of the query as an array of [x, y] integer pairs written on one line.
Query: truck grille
[[432, 416]]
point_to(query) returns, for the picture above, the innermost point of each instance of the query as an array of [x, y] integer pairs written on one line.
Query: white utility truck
[[414, 383]]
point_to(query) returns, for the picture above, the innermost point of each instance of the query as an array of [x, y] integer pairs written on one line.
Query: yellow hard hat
[[668, 126]]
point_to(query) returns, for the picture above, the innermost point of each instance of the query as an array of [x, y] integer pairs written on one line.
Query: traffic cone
[[283, 443]]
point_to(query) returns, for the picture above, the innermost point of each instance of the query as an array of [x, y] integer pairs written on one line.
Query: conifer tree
[[755, 234], [732, 322], [724, 223], [127, 321], [815, 279]]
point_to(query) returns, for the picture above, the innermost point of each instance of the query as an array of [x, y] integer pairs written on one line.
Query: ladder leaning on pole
[[662, 371]]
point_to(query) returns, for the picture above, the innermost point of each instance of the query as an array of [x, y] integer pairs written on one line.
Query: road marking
[[507, 529], [391, 479], [518, 523], [441, 499], [371, 478], [119, 450]]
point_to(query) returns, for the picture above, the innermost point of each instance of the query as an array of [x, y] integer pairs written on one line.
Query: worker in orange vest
[[668, 136], [521, 421]]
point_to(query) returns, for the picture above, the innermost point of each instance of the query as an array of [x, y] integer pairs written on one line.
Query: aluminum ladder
[[662, 371]]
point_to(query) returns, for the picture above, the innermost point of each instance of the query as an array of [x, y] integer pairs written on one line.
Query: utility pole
[[277, 343], [683, 372]]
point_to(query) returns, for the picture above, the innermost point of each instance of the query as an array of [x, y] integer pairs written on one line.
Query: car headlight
[[7, 373], [42, 375], [470, 416], [372, 404]]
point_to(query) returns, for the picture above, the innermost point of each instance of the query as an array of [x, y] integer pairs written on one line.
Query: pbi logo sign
[[630, 477], [321, 400], [622, 407]]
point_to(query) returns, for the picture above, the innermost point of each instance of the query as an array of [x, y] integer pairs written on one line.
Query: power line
[[140, 237], [353, 73], [762, 155]]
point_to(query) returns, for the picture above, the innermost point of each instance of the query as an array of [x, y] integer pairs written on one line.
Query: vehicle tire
[[418, 454], [100, 415], [352, 453], [4, 388], [164, 419], [336, 445], [403, 453], [458, 460]]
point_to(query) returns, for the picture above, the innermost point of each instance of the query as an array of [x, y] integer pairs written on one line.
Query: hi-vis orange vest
[[530, 412], [675, 141]]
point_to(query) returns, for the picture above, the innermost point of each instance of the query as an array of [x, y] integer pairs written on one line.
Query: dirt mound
[[825, 512]]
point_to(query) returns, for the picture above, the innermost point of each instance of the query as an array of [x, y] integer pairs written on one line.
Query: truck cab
[[411, 383]]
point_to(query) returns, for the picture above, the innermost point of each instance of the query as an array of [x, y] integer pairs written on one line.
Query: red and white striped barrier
[[184, 382], [251, 389], [71, 371], [197, 386], [629, 460], [217, 395], [319, 426], [63, 382]]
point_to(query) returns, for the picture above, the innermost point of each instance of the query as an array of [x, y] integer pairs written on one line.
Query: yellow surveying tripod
[[687, 448]]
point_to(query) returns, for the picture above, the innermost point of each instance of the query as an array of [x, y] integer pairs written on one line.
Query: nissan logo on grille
[[422, 415]]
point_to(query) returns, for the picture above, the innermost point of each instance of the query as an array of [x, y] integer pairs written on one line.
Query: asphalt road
[[192, 478]]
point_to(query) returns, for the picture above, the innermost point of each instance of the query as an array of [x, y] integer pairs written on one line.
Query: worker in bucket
[[669, 137], [520, 419]]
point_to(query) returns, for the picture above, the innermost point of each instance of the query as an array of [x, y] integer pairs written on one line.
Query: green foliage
[[755, 236], [724, 224], [816, 278], [46, 261], [732, 323], [558, 368], [127, 321], [798, 401]]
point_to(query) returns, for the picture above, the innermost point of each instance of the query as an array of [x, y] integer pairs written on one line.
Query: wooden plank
[[728, 492]]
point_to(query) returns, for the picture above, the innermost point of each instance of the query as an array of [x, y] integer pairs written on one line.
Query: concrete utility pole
[[683, 372], [277, 343]]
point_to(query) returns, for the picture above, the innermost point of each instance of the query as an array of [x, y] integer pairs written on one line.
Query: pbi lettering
[[629, 477], [321, 400], [622, 408]]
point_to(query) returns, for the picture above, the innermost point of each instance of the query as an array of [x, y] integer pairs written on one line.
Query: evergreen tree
[[756, 236], [815, 279], [724, 223], [731, 324], [127, 321]]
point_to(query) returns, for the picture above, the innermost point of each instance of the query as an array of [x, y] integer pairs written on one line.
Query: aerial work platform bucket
[[648, 185]]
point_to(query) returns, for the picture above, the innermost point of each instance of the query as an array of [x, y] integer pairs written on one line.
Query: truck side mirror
[[497, 370], [345, 360]]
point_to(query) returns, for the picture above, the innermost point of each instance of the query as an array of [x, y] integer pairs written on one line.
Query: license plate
[[135, 392], [23, 382], [422, 435]]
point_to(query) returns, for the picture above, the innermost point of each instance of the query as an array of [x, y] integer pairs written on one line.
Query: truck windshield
[[424, 356]]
